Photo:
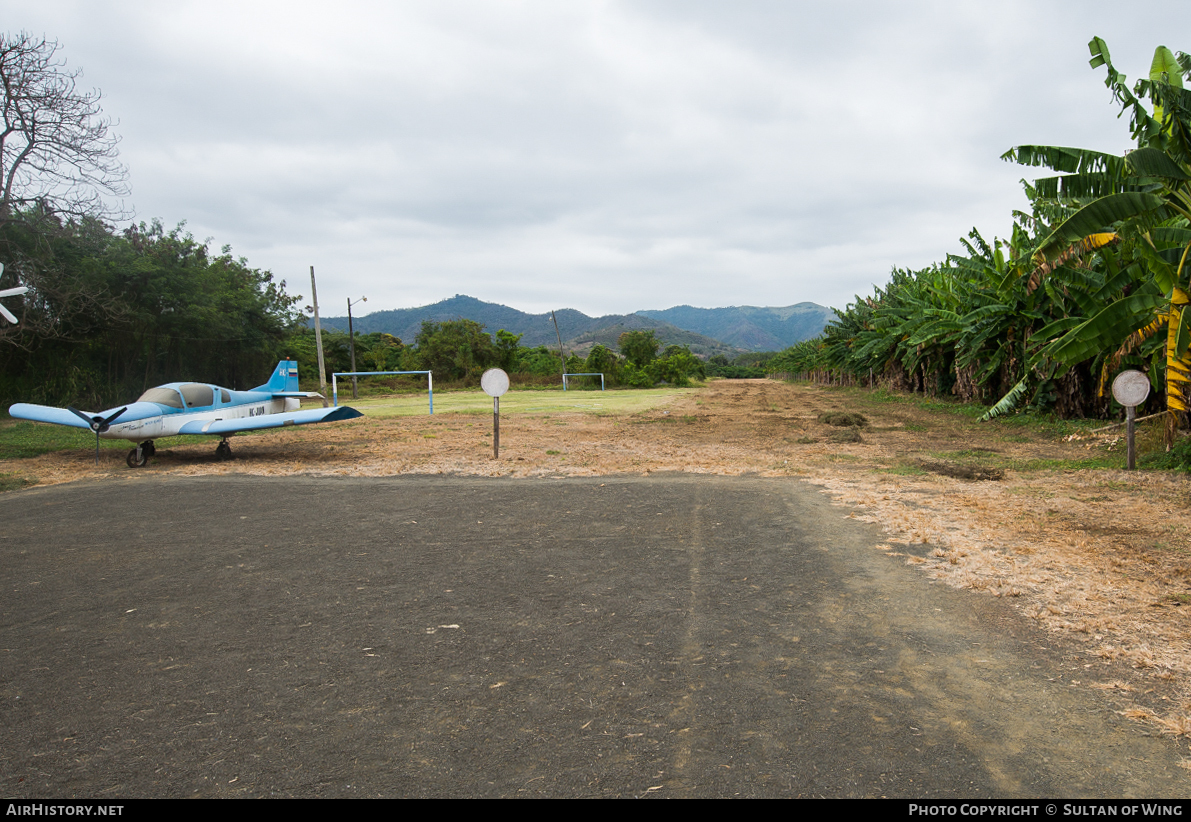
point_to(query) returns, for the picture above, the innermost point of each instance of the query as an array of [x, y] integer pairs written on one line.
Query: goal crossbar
[[337, 374]]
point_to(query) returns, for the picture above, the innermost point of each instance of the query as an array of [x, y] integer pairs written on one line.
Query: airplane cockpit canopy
[[195, 394]]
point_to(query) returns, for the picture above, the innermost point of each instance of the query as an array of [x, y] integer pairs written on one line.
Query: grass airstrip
[[516, 401], [20, 439]]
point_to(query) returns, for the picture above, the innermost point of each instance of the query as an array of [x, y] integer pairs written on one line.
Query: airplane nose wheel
[[138, 456], [223, 451]]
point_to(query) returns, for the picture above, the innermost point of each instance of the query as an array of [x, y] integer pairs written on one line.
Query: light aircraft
[[194, 408]]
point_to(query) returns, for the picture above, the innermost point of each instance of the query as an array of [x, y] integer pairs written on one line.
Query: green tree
[[455, 349], [677, 366], [507, 346], [378, 351], [109, 315], [195, 315], [540, 361], [601, 360], [640, 348], [574, 363]]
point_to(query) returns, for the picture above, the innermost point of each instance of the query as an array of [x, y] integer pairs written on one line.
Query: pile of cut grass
[[843, 419]]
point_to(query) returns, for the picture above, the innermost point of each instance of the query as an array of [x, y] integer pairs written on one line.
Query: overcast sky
[[603, 156]]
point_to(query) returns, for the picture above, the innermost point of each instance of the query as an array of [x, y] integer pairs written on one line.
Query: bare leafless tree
[[57, 150]]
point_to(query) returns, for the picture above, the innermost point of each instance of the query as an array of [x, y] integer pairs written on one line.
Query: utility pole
[[318, 341], [559, 335], [351, 338]]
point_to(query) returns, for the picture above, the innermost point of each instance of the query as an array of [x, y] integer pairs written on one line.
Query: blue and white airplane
[[194, 408]]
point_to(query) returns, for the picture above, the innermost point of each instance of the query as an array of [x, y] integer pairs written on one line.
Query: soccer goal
[[337, 374], [593, 374]]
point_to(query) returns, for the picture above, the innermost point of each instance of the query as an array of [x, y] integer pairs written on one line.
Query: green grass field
[[20, 439], [516, 401]]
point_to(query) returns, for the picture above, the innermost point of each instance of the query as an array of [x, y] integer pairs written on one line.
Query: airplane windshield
[[162, 396]]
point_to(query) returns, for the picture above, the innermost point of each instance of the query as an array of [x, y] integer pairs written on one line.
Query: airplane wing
[[281, 420], [43, 413], [64, 416]]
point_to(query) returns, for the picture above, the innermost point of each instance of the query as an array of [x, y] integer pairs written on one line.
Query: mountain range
[[707, 331]]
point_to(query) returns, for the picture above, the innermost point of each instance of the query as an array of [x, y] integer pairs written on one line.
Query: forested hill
[[405, 323], [745, 327], [750, 327]]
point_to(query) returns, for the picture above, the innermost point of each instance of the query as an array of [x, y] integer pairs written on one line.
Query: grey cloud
[[606, 156]]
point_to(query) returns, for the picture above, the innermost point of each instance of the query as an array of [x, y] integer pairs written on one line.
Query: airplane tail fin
[[284, 379]]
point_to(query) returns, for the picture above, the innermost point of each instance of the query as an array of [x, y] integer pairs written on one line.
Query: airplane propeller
[[10, 292], [97, 424]]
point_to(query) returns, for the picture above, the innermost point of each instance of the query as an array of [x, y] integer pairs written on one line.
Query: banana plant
[[1140, 204]]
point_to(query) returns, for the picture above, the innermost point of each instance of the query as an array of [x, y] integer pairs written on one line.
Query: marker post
[[1130, 389], [495, 383]]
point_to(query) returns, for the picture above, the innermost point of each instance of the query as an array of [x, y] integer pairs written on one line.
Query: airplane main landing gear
[[223, 451], [138, 456]]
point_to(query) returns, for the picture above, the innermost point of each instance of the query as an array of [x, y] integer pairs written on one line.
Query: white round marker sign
[[1130, 388], [495, 382]]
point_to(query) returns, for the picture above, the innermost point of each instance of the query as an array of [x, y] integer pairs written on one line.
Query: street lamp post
[[351, 339]]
